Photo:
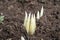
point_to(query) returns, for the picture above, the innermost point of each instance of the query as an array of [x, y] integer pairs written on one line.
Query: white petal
[[22, 38], [32, 25], [38, 15], [25, 20], [28, 23], [41, 14]]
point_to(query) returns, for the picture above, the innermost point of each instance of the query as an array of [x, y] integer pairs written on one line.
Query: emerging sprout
[[30, 23], [22, 38], [40, 14]]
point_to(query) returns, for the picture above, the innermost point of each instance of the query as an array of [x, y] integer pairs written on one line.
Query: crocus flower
[[30, 23]]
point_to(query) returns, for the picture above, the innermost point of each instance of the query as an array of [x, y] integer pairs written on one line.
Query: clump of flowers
[[30, 21]]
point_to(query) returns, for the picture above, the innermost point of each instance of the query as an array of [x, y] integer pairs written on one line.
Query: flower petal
[[41, 14]]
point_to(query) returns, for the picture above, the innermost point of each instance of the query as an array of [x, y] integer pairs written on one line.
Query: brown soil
[[48, 27]]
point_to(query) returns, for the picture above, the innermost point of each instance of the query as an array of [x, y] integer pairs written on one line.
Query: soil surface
[[48, 27]]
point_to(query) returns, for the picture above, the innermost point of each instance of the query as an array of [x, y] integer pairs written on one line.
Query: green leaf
[[1, 19]]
